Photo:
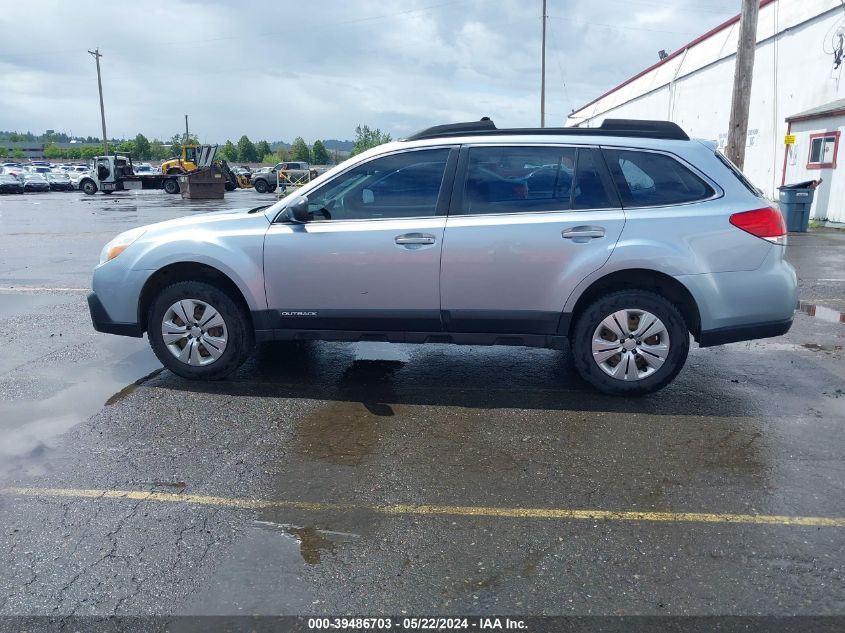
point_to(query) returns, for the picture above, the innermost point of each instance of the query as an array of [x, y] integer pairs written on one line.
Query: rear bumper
[[732, 334], [103, 323]]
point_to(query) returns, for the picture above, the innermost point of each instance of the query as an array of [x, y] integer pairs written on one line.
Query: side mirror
[[367, 196], [297, 211]]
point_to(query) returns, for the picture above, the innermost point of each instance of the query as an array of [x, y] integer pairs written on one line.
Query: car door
[[369, 257], [526, 225]]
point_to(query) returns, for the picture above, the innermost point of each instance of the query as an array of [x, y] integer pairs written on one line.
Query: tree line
[[244, 151]]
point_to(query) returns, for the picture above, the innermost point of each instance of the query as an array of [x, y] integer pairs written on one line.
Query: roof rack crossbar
[[635, 128]]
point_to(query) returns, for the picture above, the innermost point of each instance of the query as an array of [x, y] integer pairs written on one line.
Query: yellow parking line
[[430, 510]]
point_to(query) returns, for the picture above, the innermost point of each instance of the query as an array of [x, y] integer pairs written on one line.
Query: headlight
[[119, 244]]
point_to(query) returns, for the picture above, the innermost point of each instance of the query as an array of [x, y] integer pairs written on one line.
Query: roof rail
[[635, 128]]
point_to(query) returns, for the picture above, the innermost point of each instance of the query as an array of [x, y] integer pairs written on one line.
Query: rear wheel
[[171, 186], [198, 331], [631, 342]]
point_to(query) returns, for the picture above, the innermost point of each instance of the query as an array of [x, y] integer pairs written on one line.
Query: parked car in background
[[16, 171], [59, 181], [145, 168], [10, 184], [283, 174], [38, 169], [35, 182]]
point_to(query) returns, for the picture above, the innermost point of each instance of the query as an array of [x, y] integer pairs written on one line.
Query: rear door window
[[512, 179], [647, 179]]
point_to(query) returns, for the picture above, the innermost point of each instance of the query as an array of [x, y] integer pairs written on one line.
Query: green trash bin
[[795, 202]]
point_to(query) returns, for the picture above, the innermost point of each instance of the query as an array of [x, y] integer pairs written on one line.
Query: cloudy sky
[[316, 68]]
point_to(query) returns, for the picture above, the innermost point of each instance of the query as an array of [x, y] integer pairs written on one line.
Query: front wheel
[[89, 187], [261, 186], [630, 342], [198, 331]]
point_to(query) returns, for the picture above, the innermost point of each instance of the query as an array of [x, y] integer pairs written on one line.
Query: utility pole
[[743, 73], [543, 73], [187, 136], [97, 55]]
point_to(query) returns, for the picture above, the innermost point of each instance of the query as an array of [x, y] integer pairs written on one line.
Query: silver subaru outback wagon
[[621, 241]]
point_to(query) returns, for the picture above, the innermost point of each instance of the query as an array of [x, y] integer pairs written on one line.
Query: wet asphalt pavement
[[342, 437]]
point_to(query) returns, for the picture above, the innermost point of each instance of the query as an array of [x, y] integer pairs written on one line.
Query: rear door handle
[[414, 239], [586, 232]]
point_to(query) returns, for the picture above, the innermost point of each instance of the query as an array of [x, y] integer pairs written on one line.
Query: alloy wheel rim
[[630, 344], [194, 332]]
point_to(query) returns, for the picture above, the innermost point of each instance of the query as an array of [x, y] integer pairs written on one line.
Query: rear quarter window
[[738, 174], [647, 179]]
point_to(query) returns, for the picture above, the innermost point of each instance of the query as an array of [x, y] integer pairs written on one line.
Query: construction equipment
[[195, 156], [187, 162], [117, 173]]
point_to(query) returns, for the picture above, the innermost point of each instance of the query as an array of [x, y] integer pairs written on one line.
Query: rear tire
[[171, 186], [652, 362], [228, 335]]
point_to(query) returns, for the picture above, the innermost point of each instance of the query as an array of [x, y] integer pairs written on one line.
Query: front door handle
[[410, 239], [586, 232]]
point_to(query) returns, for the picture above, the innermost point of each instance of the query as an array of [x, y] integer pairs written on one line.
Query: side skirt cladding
[[408, 327]]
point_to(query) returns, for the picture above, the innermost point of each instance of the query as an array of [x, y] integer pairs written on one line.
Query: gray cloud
[[276, 70]]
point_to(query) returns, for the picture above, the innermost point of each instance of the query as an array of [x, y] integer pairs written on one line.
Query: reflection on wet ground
[[20, 304], [822, 312], [56, 373]]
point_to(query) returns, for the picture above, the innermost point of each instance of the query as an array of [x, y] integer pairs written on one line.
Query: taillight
[[765, 223]]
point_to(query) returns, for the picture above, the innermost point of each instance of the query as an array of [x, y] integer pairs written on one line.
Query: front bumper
[[103, 323]]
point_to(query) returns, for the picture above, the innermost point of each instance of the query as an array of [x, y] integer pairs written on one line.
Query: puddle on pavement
[[342, 433], [260, 574], [29, 427], [822, 348], [822, 312], [16, 304], [381, 352], [313, 541]]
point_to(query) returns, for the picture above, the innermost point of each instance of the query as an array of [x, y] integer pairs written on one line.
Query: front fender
[[237, 252]]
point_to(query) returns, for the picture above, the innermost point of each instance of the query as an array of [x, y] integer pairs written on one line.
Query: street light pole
[[187, 136], [97, 55], [543, 73]]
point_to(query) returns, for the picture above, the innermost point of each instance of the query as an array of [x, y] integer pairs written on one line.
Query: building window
[[823, 150]]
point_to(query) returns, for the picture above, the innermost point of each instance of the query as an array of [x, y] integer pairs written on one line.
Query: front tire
[[198, 331], [89, 187], [630, 343], [261, 186]]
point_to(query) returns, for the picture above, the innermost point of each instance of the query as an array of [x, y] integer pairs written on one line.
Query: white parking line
[[41, 289]]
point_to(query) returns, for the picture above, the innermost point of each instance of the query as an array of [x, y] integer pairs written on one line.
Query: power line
[[616, 26], [560, 68]]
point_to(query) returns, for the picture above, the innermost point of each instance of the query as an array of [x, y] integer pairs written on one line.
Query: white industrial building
[[796, 90]]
